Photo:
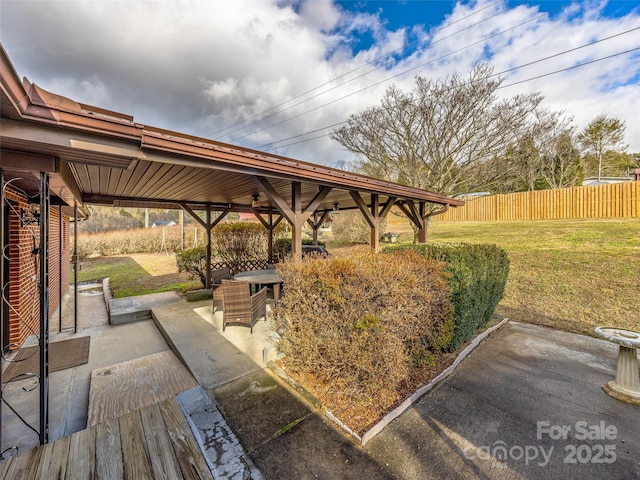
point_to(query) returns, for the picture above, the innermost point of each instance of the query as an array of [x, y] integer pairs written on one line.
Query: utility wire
[[377, 83], [569, 68], [501, 86], [431, 61], [422, 65], [375, 60]]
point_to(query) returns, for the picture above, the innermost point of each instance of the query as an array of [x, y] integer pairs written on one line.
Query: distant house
[[248, 217], [589, 181], [163, 223]]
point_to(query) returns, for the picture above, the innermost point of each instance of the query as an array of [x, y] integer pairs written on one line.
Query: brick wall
[[24, 298]]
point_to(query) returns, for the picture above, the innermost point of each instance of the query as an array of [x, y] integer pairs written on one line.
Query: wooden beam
[[275, 198], [257, 214], [387, 207], [28, 162], [368, 216], [315, 203], [194, 215], [411, 213]]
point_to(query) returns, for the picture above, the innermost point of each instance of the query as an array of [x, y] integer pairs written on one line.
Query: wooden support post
[[316, 223], [43, 285], [270, 237], [375, 229], [208, 255], [314, 228], [295, 215], [270, 225], [298, 221], [371, 216], [207, 224]]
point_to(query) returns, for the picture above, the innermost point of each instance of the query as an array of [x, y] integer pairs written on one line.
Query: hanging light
[[335, 208], [31, 215], [255, 203]]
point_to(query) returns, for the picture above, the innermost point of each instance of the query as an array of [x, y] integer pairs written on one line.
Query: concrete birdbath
[[626, 386]]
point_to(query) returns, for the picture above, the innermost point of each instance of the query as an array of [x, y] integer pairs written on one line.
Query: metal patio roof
[[104, 157]]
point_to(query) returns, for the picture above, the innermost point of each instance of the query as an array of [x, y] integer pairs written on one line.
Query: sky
[[279, 75]]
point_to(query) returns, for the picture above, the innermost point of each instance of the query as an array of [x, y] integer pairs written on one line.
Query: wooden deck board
[[82, 455], [155, 442], [192, 464], [135, 459], [161, 454], [129, 386], [53, 463], [109, 451]]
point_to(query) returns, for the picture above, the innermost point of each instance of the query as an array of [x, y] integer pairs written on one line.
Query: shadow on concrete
[[527, 403]]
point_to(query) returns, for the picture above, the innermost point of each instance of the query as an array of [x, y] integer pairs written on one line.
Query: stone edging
[[400, 409]]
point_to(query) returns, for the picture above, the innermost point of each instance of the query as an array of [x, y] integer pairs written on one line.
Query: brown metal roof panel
[[173, 174]]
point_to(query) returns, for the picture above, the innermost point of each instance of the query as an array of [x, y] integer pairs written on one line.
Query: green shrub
[[361, 323], [350, 227], [194, 262], [234, 243], [478, 278]]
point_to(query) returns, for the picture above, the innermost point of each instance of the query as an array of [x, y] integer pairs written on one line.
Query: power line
[[421, 65], [328, 82], [570, 68], [501, 86], [406, 71]]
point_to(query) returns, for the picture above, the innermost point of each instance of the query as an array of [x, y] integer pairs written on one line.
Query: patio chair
[[216, 282], [239, 307]]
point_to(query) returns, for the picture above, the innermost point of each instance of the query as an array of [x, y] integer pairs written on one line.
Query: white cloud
[[201, 66]]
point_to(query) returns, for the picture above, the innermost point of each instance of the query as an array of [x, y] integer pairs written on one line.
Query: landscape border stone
[[400, 409]]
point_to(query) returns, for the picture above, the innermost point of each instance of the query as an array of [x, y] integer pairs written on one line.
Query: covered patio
[[63, 153], [106, 158]]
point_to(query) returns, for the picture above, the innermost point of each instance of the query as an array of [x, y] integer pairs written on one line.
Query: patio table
[[262, 277], [626, 386]]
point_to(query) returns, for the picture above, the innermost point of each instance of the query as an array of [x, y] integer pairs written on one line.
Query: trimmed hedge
[[478, 278]]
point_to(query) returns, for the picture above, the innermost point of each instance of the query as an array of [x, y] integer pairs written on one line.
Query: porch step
[[128, 386], [133, 309]]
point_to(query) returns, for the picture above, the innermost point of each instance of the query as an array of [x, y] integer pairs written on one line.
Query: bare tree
[[561, 162], [601, 135], [445, 135]]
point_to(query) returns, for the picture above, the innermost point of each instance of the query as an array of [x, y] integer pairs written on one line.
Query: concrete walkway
[[498, 416], [527, 403]]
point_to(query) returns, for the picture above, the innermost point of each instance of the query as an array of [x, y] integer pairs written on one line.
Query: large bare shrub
[[140, 240], [351, 227], [359, 324]]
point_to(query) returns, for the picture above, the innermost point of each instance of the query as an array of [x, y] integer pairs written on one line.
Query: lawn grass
[[571, 275], [137, 274]]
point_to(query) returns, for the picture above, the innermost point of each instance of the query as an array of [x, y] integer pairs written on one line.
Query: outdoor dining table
[[262, 277]]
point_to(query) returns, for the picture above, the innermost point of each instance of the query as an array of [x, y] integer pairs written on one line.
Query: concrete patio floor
[[527, 403]]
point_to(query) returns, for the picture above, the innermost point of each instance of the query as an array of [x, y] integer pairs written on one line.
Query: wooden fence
[[616, 200]]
